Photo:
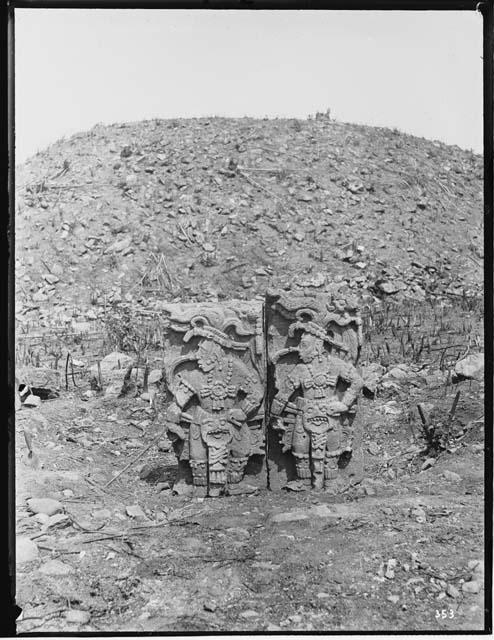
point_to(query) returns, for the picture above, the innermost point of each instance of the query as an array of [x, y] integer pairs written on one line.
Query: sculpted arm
[[348, 373], [252, 392], [183, 391], [286, 386], [253, 395]]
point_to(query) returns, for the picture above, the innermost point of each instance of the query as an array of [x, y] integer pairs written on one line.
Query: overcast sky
[[418, 71]]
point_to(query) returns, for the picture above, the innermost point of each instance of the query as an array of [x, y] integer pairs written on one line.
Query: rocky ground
[[112, 548]]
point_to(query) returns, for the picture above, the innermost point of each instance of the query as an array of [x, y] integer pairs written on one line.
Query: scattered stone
[[56, 568], [296, 485], [373, 448], [146, 471], [290, 516], [393, 598], [77, 616], [56, 519], [452, 591], [101, 514], [388, 287], [155, 376], [113, 391], [42, 518], [451, 476], [322, 595], [296, 618], [401, 372], [163, 486], [32, 401], [427, 464], [25, 550], [241, 488], [135, 511], [476, 566], [90, 393], [473, 586], [471, 367], [67, 493], [249, 613], [47, 506], [419, 514], [113, 361], [210, 605], [50, 278], [390, 567], [243, 533], [182, 488]]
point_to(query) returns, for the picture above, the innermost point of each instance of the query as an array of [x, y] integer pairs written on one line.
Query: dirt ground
[[393, 552]]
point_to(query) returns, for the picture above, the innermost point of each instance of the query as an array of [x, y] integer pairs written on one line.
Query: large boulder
[[471, 367], [114, 361]]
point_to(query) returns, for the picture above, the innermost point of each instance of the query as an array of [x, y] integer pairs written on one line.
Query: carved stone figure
[[217, 387], [313, 344]]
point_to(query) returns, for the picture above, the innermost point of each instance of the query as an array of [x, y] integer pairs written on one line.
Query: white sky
[[418, 71]]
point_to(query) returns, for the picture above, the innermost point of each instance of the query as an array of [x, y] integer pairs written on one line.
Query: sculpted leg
[[240, 450], [333, 452], [300, 450], [318, 449], [199, 472], [218, 460], [197, 457]]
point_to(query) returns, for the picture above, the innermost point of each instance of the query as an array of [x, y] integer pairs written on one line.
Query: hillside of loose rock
[[223, 208]]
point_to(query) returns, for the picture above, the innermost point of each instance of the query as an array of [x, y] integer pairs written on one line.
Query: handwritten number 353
[[445, 613]]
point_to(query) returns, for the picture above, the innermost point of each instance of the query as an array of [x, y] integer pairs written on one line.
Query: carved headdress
[[309, 326], [334, 319], [202, 328]]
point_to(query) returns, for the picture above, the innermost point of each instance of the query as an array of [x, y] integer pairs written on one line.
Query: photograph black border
[[7, 287]]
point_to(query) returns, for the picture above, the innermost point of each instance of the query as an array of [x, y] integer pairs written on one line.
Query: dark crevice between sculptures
[[280, 465], [269, 380]]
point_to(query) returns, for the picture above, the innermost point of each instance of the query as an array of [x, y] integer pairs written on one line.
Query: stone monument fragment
[[313, 346], [214, 369]]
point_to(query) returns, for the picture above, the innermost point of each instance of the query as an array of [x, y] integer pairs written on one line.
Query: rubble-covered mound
[[216, 208]]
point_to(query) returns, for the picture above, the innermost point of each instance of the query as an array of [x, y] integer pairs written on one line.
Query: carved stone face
[[216, 433], [310, 347], [208, 355], [316, 419]]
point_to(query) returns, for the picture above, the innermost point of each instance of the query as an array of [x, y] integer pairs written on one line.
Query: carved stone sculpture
[[216, 382], [313, 346]]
